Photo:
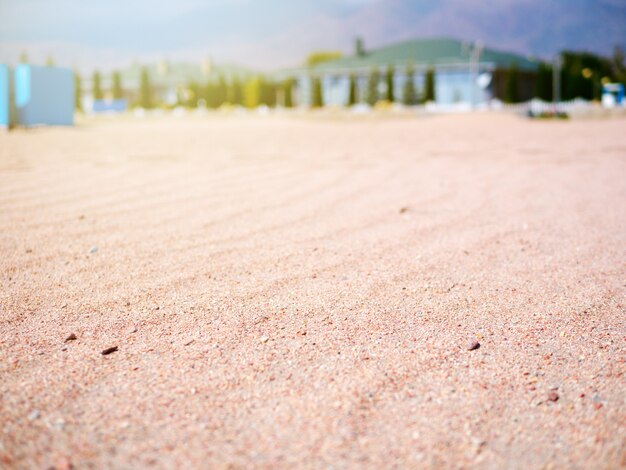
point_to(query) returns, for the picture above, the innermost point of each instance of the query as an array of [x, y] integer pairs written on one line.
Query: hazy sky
[[276, 33]]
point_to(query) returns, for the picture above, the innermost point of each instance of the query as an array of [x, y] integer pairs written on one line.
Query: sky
[[270, 34]]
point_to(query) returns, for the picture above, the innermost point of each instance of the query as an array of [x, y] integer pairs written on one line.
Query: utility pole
[[556, 82]]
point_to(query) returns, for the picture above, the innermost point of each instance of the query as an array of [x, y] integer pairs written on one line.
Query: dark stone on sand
[[472, 345], [109, 350]]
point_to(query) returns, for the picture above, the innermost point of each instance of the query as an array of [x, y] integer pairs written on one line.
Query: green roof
[[426, 52]]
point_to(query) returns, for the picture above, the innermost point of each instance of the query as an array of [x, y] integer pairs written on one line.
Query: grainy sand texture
[[304, 293]]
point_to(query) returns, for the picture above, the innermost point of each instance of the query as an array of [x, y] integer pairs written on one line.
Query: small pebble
[[264, 339], [71, 337], [34, 415], [403, 210], [59, 424], [553, 396], [109, 350], [478, 444], [472, 345], [93, 250]]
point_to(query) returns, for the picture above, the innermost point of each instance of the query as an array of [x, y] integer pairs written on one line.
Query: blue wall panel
[[44, 95], [4, 95]]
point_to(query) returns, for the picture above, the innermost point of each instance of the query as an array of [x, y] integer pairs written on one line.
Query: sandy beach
[[302, 293]]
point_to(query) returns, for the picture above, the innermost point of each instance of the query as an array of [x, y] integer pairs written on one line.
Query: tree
[[23, 57], [210, 94], [372, 87], [390, 95], [180, 95], [252, 92], [318, 57], [543, 82], [145, 90], [216, 93], [194, 94], [222, 91], [511, 85], [78, 92], [582, 74], [352, 94], [268, 92], [618, 65], [359, 47], [288, 93], [317, 99], [49, 61], [409, 94], [429, 86], [235, 92], [96, 87], [116, 88]]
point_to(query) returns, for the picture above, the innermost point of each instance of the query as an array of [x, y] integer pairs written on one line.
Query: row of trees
[[97, 92], [582, 75], [251, 93], [258, 90]]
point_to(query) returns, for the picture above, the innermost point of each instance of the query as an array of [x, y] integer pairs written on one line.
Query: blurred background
[[450, 54]]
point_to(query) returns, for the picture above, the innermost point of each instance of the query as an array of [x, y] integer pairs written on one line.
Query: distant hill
[[527, 26], [279, 33]]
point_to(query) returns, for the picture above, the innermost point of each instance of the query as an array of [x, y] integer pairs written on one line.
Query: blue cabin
[[5, 94], [43, 96]]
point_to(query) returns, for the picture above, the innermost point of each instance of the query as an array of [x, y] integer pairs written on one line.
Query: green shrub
[[96, 86], [116, 88], [317, 100], [145, 90], [511, 94], [372, 87], [390, 94], [429, 86], [352, 94], [409, 96]]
